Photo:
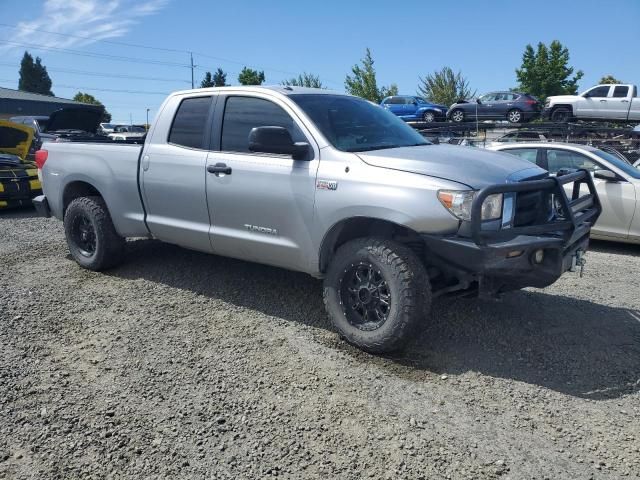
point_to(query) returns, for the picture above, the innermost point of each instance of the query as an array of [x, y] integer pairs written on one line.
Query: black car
[[514, 107]]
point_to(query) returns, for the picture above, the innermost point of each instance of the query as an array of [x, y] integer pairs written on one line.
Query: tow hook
[[578, 260]]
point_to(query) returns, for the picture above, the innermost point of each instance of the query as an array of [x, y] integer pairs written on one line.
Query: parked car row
[[602, 102]]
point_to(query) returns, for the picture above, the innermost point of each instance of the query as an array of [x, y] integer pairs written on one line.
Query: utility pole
[[192, 67]]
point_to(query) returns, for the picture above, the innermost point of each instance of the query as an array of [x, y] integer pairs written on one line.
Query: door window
[[242, 114], [190, 122], [602, 91], [489, 97], [558, 159], [528, 154], [620, 91]]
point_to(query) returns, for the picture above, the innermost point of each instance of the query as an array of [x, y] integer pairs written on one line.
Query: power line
[[75, 87], [95, 55], [106, 75], [149, 47]]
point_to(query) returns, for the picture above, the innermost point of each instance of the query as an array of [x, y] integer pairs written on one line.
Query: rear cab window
[[190, 123], [621, 91]]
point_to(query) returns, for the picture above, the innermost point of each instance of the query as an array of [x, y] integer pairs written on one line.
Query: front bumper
[[496, 259], [509, 265]]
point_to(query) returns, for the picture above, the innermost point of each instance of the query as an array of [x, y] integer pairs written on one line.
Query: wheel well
[[562, 105], [76, 190], [358, 227]]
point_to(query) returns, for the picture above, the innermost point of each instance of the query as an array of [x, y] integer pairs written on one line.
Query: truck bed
[[111, 167]]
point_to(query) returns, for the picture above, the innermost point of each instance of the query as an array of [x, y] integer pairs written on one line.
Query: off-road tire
[[109, 246], [408, 284]]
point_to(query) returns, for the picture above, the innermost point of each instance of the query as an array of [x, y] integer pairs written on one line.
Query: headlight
[[459, 202], [492, 207]]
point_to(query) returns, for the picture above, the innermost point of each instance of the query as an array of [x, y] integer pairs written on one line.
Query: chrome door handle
[[603, 100], [624, 101]]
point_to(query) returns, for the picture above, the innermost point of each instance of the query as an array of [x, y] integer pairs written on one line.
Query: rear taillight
[[41, 157], [530, 102]]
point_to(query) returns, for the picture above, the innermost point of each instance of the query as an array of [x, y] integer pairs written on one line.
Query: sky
[[96, 45]]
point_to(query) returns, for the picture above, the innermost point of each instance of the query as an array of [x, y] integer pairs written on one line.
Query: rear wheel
[[376, 293], [92, 239], [429, 117], [561, 115], [457, 116], [514, 116]]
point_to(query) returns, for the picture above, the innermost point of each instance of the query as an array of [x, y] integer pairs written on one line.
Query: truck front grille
[[531, 208]]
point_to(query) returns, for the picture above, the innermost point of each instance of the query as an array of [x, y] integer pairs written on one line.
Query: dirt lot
[[184, 365]]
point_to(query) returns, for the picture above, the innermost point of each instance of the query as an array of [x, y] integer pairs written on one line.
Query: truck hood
[[471, 166], [84, 119], [15, 139], [562, 99]]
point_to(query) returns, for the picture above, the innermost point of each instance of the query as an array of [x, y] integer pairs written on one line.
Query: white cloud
[[95, 19]]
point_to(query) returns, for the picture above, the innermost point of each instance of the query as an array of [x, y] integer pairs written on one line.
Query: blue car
[[410, 108]]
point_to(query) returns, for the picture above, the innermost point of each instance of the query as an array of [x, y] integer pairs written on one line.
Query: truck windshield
[[352, 124]]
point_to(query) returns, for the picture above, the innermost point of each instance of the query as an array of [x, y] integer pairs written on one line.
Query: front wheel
[[376, 293], [561, 115], [92, 239], [514, 116]]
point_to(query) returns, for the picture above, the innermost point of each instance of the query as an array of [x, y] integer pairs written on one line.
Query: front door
[[261, 209], [594, 103]]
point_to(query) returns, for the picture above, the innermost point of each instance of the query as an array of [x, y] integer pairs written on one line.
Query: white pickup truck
[[602, 102]]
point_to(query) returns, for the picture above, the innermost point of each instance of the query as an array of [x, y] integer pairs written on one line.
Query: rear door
[[618, 102], [618, 199], [263, 209], [395, 105], [174, 173]]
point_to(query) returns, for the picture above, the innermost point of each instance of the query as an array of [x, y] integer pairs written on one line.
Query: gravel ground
[[184, 365]]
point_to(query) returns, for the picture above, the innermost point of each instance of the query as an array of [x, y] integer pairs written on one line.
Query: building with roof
[[18, 103]]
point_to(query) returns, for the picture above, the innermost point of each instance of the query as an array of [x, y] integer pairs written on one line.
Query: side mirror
[[478, 101], [607, 175], [276, 140]]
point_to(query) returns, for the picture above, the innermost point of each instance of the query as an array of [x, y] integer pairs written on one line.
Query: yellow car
[[19, 181]]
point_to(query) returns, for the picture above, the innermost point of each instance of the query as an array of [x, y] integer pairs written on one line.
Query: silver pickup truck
[[327, 184]]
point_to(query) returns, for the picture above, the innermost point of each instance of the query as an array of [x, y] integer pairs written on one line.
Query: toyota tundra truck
[[328, 184]]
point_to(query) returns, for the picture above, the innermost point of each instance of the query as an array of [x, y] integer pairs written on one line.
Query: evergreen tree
[[444, 87], [33, 76], [207, 81], [219, 78], [248, 76], [364, 84], [546, 72]]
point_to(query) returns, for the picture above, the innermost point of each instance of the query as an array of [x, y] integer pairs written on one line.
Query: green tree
[[546, 72], [33, 76], [444, 87], [207, 81], [220, 78], [91, 100], [609, 79], [248, 76], [304, 80], [389, 91], [364, 84]]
